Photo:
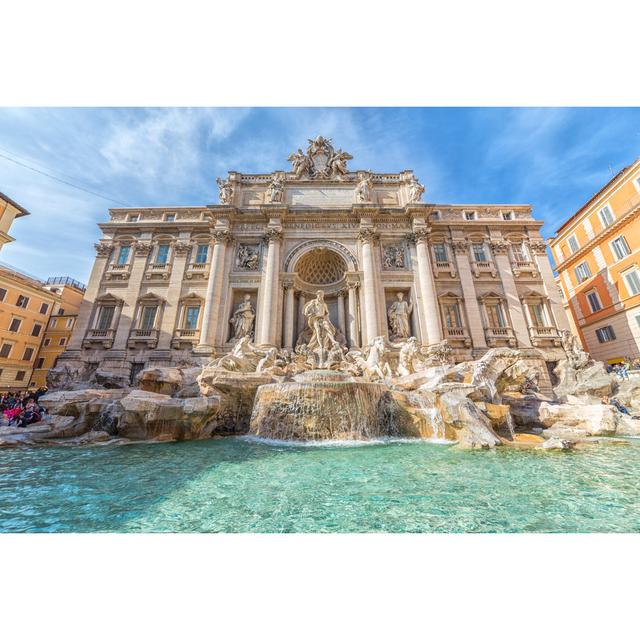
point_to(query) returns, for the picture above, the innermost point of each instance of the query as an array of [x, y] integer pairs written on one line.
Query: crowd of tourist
[[621, 369], [22, 408]]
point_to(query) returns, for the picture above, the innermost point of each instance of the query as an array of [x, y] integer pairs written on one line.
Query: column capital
[[221, 237], [142, 248], [538, 247], [353, 285], [103, 250], [418, 236], [499, 247], [181, 248], [272, 235], [460, 246], [367, 235]]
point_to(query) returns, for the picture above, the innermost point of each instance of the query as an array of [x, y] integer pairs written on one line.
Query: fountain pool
[[245, 485]]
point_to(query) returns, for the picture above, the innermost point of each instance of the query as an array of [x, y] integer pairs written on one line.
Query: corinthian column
[[341, 320], [214, 287], [427, 287], [367, 238], [266, 334], [354, 337], [288, 315]]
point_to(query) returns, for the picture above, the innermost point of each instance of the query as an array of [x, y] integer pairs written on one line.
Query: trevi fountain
[[348, 425]]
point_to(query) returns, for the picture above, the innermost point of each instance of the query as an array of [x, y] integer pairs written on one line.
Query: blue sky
[[554, 159]]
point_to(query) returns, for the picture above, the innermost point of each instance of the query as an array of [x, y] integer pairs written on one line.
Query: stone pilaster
[[354, 334], [342, 326], [288, 315], [500, 250], [476, 330], [169, 317], [210, 316], [367, 238], [539, 250], [427, 287], [267, 321], [131, 294], [103, 251]]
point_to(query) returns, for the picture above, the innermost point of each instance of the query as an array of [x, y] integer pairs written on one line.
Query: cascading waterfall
[[511, 426], [432, 416]]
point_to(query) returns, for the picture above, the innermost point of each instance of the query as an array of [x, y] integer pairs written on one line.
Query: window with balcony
[[148, 317], [582, 272], [35, 332], [22, 301], [202, 253], [451, 313], [620, 247], [123, 255], [162, 256], [605, 334], [519, 252], [479, 252], [28, 353], [105, 318], [14, 327], [573, 243], [594, 301], [606, 216], [5, 349], [538, 314], [191, 315], [632, 279], [495, 315]]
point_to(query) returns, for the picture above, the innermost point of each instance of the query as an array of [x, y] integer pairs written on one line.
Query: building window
[[632, 279], [28, 353], [507, 215], [620, 247], [605, 334], [47, 342], [61, 311], [495, 315], [637, 183], [15, 325], [20, 375], [479, 252], [22, 301], [3, 294], [573, 243], [44, 307], [440, 252], [582, 272], [62, 342], [69, 323], [123, 255], [202, 252], [451, 312], [5, 349], [606, 215], [35, 332], [39, 363], [191, 318], [53, 323], [171, 217], [134, 217], [594, 301], [105, 317], [538, 315], [469, 215], [519, 252], [148, 318], [163, 254], [559, 253]]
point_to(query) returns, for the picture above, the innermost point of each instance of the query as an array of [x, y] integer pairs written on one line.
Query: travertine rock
[[472, 428]]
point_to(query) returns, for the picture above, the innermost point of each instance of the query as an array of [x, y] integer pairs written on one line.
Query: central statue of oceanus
[[323, 344]]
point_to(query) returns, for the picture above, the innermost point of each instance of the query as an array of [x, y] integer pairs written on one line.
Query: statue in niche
[[247, 258], [415, 190], [275, 192], [323, 341], [393, 257], [363, 190], [242, 318], [226, 191], [398, 315], [300, 163]]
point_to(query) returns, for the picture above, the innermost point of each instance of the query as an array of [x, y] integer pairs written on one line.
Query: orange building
[[597, 252]]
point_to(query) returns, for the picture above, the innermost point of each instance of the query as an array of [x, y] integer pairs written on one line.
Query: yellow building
[[69, 294], [597, 251], [9, 211]]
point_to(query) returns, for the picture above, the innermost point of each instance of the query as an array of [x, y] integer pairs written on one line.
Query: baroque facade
[[172, 285]]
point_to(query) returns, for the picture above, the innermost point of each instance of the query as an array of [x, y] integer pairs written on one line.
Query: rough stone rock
[[627, 426], [557, 443], [629, 393], [591, 380], [110, 379], [472, 428], [164, 380], [571, 419], [74, 403]]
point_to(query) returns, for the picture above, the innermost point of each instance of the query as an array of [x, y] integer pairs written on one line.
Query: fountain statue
[[324, 347]]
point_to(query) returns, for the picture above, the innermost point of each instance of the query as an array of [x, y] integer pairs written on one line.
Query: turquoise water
[[239, 485]]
